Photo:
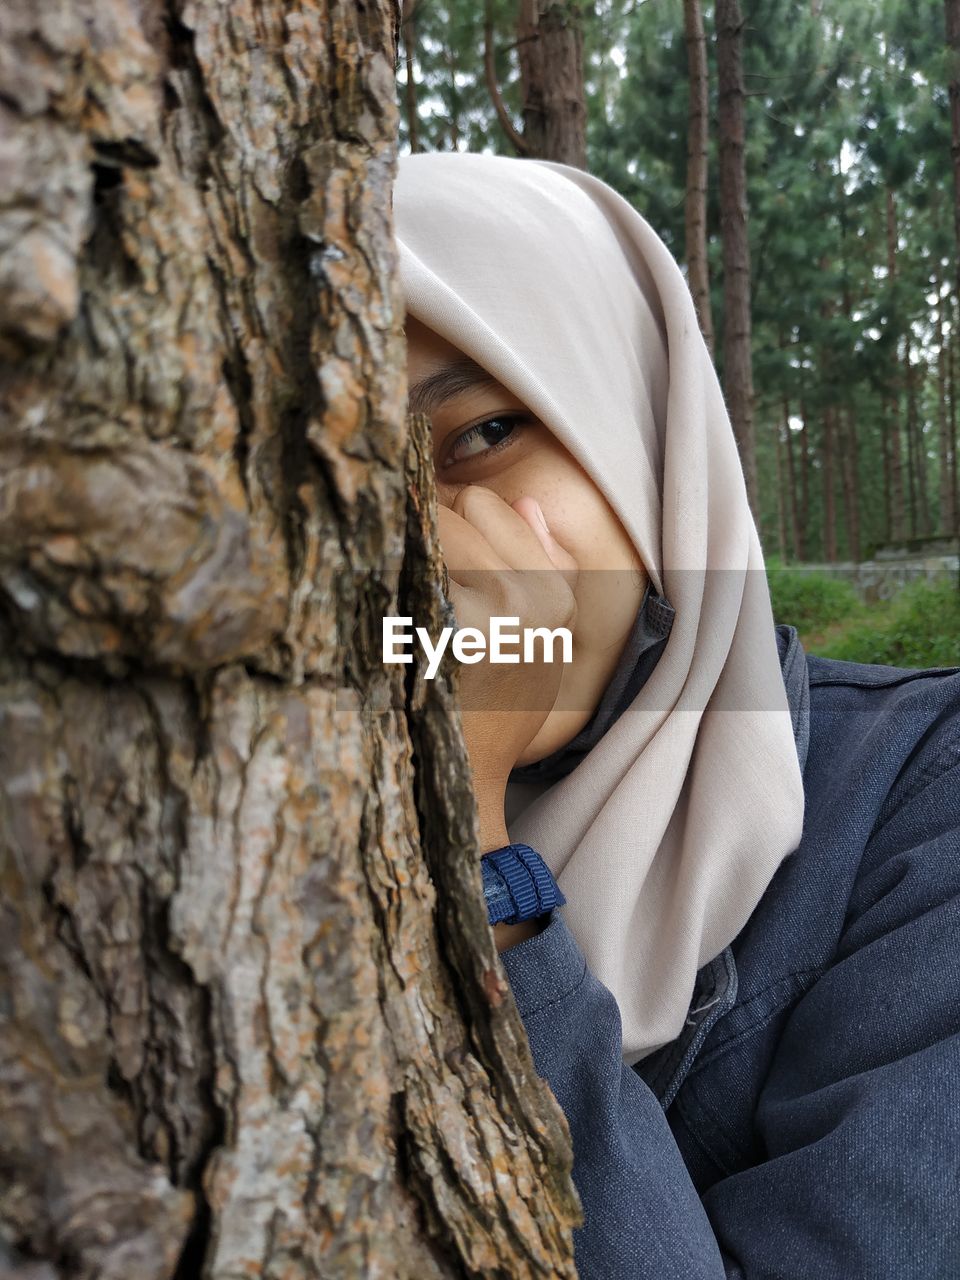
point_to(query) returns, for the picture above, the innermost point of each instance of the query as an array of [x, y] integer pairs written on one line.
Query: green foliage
[[846, 104], [454, 109], [847, 118], [919, 628], [810, 601]]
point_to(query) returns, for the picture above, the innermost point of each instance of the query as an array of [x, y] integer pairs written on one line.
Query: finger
[[469, 606], [531, 511], [507, 532], [464, 546]]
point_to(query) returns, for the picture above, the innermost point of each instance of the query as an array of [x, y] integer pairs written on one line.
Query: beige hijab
[[666, 835]]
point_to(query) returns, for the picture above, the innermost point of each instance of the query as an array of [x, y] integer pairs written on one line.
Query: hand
[[503, 561]]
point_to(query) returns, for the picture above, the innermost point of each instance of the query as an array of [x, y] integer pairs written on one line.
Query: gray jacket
[[806, 1123]]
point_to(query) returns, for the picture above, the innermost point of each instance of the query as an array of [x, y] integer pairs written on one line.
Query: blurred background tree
[[848, 249]]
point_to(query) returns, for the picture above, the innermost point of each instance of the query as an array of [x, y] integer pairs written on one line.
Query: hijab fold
[[665, 831]]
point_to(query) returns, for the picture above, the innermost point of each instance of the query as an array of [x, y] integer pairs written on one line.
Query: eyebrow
[[454, 379]]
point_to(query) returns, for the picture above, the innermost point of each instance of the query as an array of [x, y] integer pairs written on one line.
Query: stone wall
[[892, 568]]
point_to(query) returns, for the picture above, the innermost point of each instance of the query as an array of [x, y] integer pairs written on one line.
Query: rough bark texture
[[550, 51], [695, 204], [737, 353], [252, 1021]]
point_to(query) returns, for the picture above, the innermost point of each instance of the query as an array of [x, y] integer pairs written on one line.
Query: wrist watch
[[518, 885]]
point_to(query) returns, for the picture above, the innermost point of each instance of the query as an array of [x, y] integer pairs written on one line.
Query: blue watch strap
[[518, 885]]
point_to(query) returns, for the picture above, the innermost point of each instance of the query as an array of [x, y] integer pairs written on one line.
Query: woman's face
[[483, 435]]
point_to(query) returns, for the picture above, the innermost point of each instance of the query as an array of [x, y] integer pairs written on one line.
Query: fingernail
[[542, 519]]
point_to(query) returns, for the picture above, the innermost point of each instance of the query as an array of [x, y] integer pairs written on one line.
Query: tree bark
[[952, 15], [793, 499], [695, 205], [911, 451], [737, 356], [885, 454], [251, 1014], [944, 426], [564, 99], [921, 521], [831, 450], [849, 471], [805, 469], [796, 529], [846, 419], [828, 455], [530, 58], [892, 414], [782, 499], [550, 52]]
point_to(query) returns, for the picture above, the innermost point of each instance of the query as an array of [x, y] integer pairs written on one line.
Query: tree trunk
[[920, 520], [952, 14], [911, 452], [530, 60], [252, 1017], [452, 65], [885, 449], [517, 140], [695, 205], [924, 516], [737, 357], [944, 426], [781, 496], [409, 30], [898, 516], [846, 420], [805, 469], [796, 531], [828, 458], [892, 409], [550, 53], [850, 480]]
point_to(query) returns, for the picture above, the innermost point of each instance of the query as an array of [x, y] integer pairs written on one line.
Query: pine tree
[[731, 146], [697, 168]]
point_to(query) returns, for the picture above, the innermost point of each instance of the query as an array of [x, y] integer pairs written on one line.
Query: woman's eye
[[484, 438]]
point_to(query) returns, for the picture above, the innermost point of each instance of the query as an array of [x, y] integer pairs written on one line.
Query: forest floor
[[822, 641], [919, 627]]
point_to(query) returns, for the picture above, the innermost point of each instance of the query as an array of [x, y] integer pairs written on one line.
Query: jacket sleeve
[[859, 1118], [642, 1216]]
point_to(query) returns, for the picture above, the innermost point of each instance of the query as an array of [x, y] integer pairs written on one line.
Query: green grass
[[810, 601], [920, 627]]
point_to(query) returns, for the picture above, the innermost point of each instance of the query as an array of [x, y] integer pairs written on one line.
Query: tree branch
[[516, 138]]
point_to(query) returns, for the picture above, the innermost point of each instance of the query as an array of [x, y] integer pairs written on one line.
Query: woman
[[747, 996]]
